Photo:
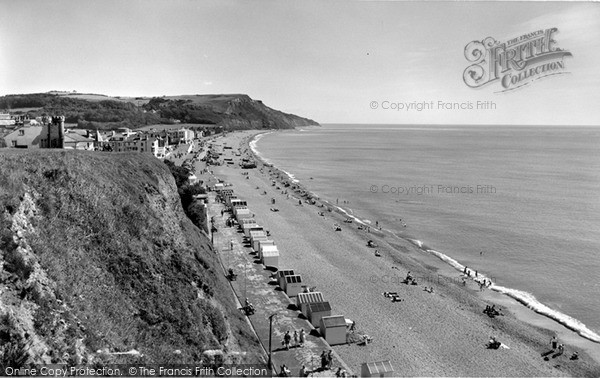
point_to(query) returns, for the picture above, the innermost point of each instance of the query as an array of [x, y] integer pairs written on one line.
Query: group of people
[[326, 360], [560, 349], [491, 311], [410, 280], [298, 339]]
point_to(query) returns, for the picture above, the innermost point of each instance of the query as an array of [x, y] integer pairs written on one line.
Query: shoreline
[[426, 334], [526, 301]]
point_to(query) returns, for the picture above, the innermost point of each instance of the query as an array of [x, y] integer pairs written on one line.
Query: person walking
[[301, 337], [287, 338], [295, 338]]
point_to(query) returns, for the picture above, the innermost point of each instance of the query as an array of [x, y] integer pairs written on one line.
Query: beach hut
[[218, 187], [316, 311], [237, 202], [281, 277], [248, 227], [303, 299], [293, 285], [377, 369], [264, 245], [255, 237], [270, 257], [333, 329], [241, 213]]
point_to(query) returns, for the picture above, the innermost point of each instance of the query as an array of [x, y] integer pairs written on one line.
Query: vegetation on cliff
[[234, 111], [97, 258]]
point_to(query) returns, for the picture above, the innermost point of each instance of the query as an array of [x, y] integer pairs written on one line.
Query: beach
[[439, 333]]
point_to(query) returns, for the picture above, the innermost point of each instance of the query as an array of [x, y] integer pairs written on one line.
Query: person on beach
[[465, 270], [554, 342], [301, 338], [329, 359], [303, 372], [287, 338], [295, 338], [324, 360]]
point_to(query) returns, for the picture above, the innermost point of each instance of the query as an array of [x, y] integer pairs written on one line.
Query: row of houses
[[51, 133]]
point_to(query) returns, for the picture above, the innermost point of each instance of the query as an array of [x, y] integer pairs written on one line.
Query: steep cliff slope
[[97, 258]]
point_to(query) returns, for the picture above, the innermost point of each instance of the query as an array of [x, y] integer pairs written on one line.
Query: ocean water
[[521, 205]]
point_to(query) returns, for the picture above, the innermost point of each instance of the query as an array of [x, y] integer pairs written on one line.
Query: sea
[[519, 204]]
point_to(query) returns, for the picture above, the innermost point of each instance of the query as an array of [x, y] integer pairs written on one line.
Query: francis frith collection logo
[[516, 62]]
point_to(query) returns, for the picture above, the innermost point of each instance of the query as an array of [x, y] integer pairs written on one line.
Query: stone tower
[[56, 132]]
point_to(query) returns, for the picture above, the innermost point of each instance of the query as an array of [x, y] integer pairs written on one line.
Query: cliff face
[[235, 111], [97, 258]]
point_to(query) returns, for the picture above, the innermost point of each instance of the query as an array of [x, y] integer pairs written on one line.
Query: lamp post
[[270, 336]]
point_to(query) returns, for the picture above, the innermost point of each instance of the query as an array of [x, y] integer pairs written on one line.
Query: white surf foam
[[526, 299], [254, 148]]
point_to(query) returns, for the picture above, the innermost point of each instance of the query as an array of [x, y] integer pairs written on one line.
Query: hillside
[[97, 258], [232, 111]]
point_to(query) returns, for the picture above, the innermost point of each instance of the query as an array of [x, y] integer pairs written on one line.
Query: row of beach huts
[[311, 304]]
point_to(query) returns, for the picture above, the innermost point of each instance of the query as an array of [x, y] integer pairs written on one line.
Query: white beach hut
[[270, 257], [248, 227], [265, 245], [241, 213], [333, 329], [293, 285]]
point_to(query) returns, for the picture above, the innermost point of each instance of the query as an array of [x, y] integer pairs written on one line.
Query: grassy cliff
[[97, 258], [232, 111]]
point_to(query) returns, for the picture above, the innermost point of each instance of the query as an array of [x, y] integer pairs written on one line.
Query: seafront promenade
[[256, 283]]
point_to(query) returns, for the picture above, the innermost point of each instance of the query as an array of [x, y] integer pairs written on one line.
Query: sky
[[331, 61]]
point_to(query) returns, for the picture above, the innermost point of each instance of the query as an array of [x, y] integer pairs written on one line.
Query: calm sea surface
[[519, 204]]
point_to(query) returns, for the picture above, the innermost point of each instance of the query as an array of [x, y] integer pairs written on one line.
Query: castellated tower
[[56, 132]]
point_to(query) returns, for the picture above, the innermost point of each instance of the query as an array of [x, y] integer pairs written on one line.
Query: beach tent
[[303, 299], [333, 329], [270, 257], [293, 285], [377, 369], [316, 311], [281, 277]]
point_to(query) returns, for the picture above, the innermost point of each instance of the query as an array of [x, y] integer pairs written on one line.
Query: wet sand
[[426, 334]]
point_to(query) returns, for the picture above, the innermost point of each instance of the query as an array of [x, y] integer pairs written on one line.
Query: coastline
[[589, 339], [531, 341]]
